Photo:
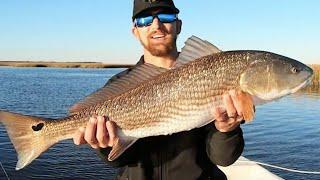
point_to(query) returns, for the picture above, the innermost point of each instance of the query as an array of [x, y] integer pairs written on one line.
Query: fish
[[153, 101]]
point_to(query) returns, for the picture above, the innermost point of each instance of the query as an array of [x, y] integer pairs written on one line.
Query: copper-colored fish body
[[151, 101]]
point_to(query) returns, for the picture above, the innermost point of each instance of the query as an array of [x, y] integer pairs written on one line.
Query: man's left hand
[[229, 119]]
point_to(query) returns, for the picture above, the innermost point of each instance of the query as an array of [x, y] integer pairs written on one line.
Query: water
[[284, 133], [287, 133]]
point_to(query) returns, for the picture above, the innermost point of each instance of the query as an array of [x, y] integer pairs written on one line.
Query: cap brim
[[174, 10]]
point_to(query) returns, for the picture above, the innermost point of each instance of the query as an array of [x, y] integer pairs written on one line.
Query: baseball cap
[[143, 5]]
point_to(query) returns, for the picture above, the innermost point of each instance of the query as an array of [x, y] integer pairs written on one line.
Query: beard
[[162, 49]]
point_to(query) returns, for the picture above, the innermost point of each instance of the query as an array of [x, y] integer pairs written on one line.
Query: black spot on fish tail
[[38, 127]]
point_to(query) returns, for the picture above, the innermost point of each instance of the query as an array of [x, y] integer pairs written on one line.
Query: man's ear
[[179, 26], [134, 31]]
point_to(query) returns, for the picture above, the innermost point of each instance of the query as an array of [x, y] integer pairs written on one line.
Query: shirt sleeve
[[224, 148]]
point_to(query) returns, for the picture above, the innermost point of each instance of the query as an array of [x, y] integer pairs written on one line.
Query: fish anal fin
[[245, 101], [120, 145]]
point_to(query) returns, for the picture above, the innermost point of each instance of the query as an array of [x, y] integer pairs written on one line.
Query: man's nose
[[156, 24]]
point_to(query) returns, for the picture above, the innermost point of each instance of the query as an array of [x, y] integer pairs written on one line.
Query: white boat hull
[[243, 168]]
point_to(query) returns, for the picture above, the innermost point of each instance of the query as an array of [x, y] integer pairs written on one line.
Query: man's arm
[[224, 148], [224, 142]]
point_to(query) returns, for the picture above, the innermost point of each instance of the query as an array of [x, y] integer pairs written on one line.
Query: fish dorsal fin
[[118, 85], [195, 48]]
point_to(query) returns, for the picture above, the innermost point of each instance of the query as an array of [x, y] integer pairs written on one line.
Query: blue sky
[[100, 30]]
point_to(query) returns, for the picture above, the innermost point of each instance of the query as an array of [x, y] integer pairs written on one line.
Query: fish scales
[[168, 102], [181, 92], [174, 95]]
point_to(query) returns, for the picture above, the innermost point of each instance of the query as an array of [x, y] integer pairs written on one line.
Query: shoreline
[[62, 64]]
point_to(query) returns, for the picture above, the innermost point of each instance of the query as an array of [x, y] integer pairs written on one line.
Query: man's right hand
[[99, 133]]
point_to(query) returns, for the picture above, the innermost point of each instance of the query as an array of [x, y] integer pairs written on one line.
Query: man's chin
[[159, 49], [163, 51]]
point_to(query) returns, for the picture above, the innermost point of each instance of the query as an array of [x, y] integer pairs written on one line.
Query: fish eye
[[294, 70]]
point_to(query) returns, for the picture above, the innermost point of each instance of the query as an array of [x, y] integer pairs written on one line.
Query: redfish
[[152, 101]]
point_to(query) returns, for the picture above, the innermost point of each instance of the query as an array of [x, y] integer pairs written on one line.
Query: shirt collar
[[141, 60]]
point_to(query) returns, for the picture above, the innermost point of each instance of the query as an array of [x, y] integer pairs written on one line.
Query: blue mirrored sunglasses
[[147, 21]]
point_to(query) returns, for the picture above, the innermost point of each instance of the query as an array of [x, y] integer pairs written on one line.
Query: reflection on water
[[284, 133], [48, 92]]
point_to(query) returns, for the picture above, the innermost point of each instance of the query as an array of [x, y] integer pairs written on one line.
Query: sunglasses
[[147, 20]]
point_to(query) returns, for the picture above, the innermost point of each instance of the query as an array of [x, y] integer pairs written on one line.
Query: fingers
[[229, 104], [90, 133], [102, 133], [226, 126], [220, 114], [233, 105], [237, 96], [229, 118], [99, 133], [78, 137], [223, 122], [111, 128]]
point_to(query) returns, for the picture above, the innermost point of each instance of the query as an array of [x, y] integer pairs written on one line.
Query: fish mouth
[[283, 93], [302, 85]]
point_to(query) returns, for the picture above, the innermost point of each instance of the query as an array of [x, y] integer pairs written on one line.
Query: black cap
[[142, 5]]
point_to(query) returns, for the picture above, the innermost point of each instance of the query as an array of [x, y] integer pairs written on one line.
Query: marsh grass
[[61, 64], [315, 84]]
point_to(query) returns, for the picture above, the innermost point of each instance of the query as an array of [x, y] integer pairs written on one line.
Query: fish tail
[[27, 136]]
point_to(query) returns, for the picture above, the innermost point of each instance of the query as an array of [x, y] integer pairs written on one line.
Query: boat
[[246, 169]]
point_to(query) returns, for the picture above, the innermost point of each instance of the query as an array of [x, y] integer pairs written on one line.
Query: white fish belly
[[177, 123]]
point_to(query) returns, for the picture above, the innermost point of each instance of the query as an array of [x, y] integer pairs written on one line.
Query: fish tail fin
[[27, 134]]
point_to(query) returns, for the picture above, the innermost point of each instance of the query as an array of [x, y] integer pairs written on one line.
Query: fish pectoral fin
[[120, 145], [245, 101]]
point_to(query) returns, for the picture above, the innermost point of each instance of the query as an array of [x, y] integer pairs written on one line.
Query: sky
[[100, 30]]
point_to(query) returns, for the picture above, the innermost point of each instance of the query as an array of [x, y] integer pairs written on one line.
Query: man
[[185, 155]]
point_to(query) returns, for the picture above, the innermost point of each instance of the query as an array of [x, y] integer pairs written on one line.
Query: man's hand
[[99, 133], [230, 118]]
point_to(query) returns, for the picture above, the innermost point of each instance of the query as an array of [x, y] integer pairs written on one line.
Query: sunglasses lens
[[143, 21], [167, 18], [163, 18]]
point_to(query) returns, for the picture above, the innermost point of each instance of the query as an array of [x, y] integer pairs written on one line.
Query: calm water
[[285, 133]]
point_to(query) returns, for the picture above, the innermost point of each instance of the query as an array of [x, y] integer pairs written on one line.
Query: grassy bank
[[315, 85], [61, 64]]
